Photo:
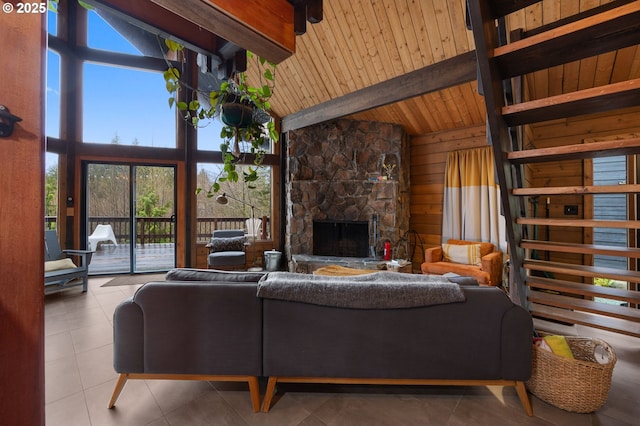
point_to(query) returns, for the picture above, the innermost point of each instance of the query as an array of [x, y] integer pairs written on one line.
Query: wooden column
[[22, 221]]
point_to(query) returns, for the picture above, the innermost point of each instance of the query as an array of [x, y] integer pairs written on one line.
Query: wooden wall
[[428, 154], [21, 224]]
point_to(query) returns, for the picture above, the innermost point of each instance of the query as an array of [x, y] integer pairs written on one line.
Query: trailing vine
[[255, 133]]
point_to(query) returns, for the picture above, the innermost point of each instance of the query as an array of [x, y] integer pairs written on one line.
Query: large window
[[52, 126], [126, 107], [123, 105], [52, 110], [243, 202], [102, 35]]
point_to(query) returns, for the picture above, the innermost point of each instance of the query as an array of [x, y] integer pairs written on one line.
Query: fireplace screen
[[340, 238]]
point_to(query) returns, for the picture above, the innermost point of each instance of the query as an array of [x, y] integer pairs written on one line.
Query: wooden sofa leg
[[122, 379], [524, 398], [268, 396], [254, 391]]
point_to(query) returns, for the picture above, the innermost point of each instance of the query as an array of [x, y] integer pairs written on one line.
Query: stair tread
[[572, 190], [581, 248], [584, 305], [587, 101], [582, 270], [616, 325], [607, 31], [577, 151], [502, 121], [581, 223], [584, 289]]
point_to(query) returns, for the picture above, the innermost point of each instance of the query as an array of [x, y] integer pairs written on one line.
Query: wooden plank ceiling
[[361, 42]]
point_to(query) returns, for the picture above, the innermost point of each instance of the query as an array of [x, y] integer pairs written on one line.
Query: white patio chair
[[101, 233], [254, 228]]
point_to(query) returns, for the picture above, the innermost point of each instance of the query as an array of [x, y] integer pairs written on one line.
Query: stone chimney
[[336, 171]]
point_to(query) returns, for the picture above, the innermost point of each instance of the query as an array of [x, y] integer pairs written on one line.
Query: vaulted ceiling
[[373, 46], [360, 43]]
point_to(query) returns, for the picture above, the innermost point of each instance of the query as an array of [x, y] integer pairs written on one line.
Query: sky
[[128, 103]]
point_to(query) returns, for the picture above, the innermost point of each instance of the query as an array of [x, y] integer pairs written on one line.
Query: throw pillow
[[189, 274], [227, 244], [56, 265], [468, 254]]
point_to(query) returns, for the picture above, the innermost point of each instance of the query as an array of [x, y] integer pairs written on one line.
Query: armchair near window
[[481, 261], [227, 249], [60, 271]]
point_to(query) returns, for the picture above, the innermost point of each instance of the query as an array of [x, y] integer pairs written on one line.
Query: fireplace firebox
[[340, 238]]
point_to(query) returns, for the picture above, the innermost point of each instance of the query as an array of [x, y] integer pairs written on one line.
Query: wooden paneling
[[21, 224], [361, 43], [428, 159], [587, 73], [446, 74]]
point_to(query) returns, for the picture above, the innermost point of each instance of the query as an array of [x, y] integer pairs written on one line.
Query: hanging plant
[[244, 111]]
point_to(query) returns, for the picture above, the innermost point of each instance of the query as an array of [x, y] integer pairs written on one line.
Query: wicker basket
[[580, 385]]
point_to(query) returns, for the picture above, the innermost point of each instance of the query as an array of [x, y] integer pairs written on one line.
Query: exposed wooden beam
[[152, 17], [265, 27], [448, 73], [115, 58]]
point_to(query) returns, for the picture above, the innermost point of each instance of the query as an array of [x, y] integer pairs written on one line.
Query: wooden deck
[[152, 257]]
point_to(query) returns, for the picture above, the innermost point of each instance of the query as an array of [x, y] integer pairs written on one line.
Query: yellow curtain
[[471, 209]]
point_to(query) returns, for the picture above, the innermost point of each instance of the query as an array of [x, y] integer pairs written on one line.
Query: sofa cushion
[[57, 265], [227, 244], [468, 254], [189, 274], [226, 259]]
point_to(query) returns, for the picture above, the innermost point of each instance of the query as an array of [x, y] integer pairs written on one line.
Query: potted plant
[[241, 107]]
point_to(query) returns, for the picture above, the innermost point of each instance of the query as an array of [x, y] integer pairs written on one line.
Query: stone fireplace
[[341, 238], [336, 171]]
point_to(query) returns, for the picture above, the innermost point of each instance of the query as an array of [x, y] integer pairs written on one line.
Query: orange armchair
[[488, 271]]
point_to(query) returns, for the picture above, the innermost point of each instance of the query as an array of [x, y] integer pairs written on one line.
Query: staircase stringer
[[498, 135]]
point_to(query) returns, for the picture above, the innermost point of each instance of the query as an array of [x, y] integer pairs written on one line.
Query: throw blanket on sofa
[[379, 290]]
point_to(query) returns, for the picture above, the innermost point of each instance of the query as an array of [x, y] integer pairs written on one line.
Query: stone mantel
[[332, 174]]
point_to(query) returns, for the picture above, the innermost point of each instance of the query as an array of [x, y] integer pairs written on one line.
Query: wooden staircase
[[533, 282]]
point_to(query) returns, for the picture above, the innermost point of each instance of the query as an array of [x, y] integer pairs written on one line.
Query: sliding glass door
[[130, 217]]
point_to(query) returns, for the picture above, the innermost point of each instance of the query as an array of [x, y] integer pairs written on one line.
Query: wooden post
[[22, 220]]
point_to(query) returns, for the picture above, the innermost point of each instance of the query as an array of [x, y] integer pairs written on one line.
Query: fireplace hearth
[[340, 238]]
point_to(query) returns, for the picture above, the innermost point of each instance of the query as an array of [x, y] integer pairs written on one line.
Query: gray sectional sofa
[[305, 328], [186, 329]]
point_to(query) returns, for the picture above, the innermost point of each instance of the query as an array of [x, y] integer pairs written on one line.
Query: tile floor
[[80, 379]]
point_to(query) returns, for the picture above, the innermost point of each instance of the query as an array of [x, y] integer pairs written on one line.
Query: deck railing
[[157, 229]]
